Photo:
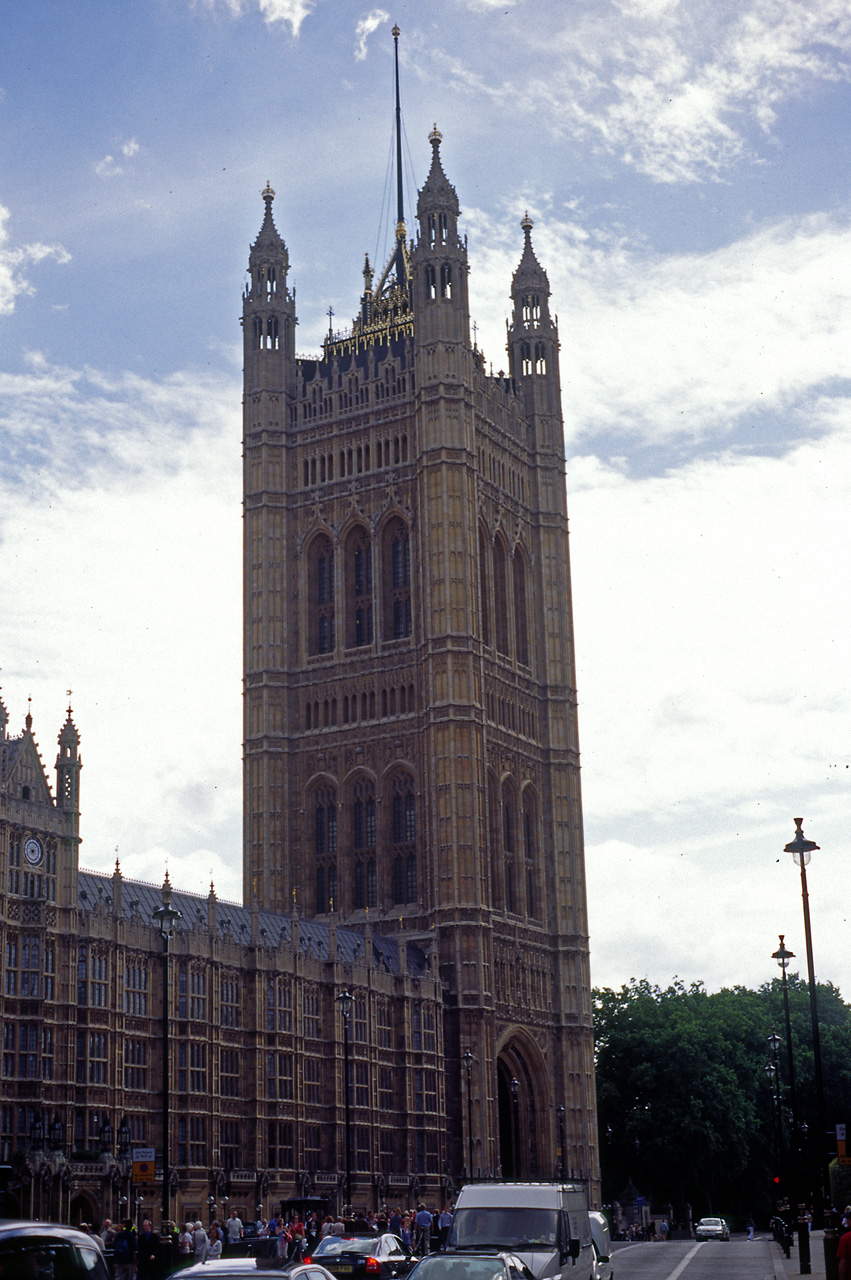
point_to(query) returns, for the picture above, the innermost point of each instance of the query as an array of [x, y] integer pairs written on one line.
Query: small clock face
[[33, 851]]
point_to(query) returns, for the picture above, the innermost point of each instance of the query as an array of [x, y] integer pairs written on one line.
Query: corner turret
[[439, 263], [68, 766], [268, 311], [533, 345]]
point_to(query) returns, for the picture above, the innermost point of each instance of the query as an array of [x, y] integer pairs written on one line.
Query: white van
[[603, 1267], [545, 1224]]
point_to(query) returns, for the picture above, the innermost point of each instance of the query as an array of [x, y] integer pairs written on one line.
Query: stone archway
[[519, 1111]]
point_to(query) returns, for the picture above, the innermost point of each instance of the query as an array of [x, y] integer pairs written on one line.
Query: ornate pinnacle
[[435, 137], [267, 193]]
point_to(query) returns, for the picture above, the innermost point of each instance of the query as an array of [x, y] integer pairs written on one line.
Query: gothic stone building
[[413, 827]]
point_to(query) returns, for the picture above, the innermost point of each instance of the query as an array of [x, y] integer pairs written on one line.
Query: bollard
[[831, 1262], [787, 1242]]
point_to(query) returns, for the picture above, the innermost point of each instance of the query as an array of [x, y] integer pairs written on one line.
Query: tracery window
[[484, 592], [397, 604], [363, 845], [509, 818], [500, 596], [325, 847], [358, 589], [521, 628], [403, 834], [321, 593]]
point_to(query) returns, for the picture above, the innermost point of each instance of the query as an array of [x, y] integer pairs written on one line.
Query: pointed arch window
[[258, 333], [530, 827], [500, 596], [509, 819], [431, 283], [396, 581], [521, 628], [321, 596], [540, 358], [358, 589], [365, 882], [484, 593], [432, 231], [271, 283], [272, 333], [443, 227], [531, 308], [403, 836], [525, 359], [446, 281]]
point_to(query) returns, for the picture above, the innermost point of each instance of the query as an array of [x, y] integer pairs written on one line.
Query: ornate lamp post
[[166, 917], [561, 1161], [515, 1090], [211, 1204], [123, 1138], [468, 1060], [345, 1000], [801, 850], [782, 956]]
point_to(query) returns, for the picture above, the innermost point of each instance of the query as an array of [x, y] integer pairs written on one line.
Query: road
[[735, 1259]]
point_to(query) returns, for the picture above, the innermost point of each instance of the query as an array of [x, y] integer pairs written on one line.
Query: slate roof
[[233, 922]]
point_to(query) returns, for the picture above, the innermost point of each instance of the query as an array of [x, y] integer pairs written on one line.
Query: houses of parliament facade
[[412, 813]]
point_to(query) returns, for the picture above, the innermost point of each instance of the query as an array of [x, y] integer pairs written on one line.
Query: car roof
[[54, 1230]]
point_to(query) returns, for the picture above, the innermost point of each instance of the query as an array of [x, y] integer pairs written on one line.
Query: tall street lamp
[[514, 1086], [468, 1061], [561, 1152], [345, 1000], [801, 849], [166, 917], [783, 956]]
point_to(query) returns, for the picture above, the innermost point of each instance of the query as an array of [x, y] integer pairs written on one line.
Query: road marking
[[680, 1268]]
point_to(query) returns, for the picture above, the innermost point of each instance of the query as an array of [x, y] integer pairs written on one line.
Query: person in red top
[[843, 1249]]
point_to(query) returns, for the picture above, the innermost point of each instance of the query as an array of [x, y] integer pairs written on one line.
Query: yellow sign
[[143, 1171]]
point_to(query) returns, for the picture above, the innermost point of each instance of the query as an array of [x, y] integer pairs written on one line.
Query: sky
[[686, 165]]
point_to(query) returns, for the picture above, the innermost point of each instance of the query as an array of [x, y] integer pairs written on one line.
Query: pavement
[[789, 1268]]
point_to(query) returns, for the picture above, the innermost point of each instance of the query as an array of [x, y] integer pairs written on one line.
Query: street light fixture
[[514, 1086], [166, 918], [801, 850], [783, 956], [561, 1160], [468, 1060], [345, 1000]]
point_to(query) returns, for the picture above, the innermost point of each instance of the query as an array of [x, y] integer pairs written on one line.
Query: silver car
[[712, 1229]]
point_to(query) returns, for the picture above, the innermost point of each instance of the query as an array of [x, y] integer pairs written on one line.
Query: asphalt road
[[735, 1259]]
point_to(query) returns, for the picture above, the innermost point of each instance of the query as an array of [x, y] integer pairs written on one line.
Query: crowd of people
[[146, 1255]]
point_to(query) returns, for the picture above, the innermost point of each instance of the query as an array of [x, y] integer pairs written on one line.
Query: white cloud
[[293, 12], [675, 90], [130, 148], [107, 167], [364, 29], [684, 347], [13, 260]]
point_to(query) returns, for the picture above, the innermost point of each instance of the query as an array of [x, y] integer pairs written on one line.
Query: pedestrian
[[422, 1225], [185, 1245], [234, 1229], [405, 1232], [202, 1243], [215, 1243], [147, 1252], [751, 1226], [444, 1226], [843, 1249], [124, 1252]]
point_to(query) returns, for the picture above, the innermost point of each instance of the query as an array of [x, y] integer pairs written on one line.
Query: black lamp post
[[782, 956], [105, 1136], [345, 1000], [123, 1138], [801, 849], [468, 1061], [166, 917], [561, 1160], [514, 1086]]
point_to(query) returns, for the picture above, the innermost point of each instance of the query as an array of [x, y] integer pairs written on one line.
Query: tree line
[[686, 1108]]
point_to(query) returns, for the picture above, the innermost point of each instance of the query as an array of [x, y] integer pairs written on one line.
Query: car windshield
[[710, 1222], [449, 1267], [340, 1244], [28, 1258], [510, 1229]]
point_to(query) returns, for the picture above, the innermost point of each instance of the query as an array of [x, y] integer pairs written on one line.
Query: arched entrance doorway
[[518, 1115]]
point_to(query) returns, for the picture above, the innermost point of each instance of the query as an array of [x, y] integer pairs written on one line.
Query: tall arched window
[[325, 847], [500, 596], [521, 629], [403, 836], [321, 593], [530, 844], [396, 581], [509, 836], [363, 845], [358, 589], [484, 590]]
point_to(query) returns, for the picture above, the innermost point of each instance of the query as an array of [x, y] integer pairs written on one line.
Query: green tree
[[686, 1107]]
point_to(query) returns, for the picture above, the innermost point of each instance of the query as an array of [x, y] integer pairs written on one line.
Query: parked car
[[600, 1238], [248, 1268], [712, 1229], [471, 1266], [360, 1256], [48, 1251]]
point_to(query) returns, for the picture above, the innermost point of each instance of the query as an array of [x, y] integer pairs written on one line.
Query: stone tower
[[411, 748]]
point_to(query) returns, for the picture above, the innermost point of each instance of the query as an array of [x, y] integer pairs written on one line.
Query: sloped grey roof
[[140, 900]]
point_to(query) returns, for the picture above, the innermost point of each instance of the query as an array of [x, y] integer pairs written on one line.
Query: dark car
[[253, 1269], [359, 1256], [471, 1266], [42, 1251]]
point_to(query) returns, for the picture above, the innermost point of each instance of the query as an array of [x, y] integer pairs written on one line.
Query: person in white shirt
[[233, 1228]]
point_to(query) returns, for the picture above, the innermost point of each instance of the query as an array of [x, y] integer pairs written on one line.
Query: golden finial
[[435, 136], [267, 193]]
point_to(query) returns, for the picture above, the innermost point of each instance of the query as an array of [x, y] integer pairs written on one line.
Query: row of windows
[[27, 1051], [533, 358], [30, 968], [358, 707], [387, 1149], [319, 469], [360, 840], [353, 596], [507, 713], [513, 836], [506, 477]]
